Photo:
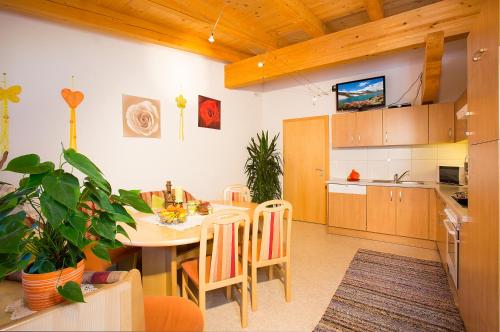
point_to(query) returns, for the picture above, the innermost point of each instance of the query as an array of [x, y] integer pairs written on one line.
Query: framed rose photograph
[[141, 117], [209, 112]]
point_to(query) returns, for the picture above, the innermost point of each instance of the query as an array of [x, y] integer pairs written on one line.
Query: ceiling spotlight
[[211, 39], [260, 64]]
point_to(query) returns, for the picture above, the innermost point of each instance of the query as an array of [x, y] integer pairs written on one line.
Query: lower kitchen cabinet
[[441, 230], [381, 210], [412, 212], [347, 210], [398, 211]]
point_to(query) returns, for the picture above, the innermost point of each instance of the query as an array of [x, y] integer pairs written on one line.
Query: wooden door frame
[[326, 153]]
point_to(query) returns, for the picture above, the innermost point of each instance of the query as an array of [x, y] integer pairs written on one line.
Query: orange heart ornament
[[72, 98]]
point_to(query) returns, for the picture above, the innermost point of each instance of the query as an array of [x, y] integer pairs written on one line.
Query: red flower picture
[[208, 113]]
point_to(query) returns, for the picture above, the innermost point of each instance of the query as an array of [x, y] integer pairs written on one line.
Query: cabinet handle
[[479, 54], [386, 136], [468, 133], [359, 138], [449, 132], [352, 138], [391, 195], [400, 196]]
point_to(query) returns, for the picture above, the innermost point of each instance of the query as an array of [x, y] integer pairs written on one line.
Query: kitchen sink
[[399, 182]]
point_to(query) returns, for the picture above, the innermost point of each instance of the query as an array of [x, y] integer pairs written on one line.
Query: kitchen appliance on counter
[[451, 175], [462, 198]]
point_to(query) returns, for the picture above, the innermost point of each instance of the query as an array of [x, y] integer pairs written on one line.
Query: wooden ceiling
[[251, 30], [246, 28]]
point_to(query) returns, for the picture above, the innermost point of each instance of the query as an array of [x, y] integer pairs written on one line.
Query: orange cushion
[[94, 263], [171, 313], [192, 269]]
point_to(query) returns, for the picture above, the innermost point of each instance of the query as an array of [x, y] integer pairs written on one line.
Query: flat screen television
[[361, 95]]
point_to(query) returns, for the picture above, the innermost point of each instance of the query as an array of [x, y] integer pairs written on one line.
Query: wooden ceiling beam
[[374, 9], [398, 32], [204, 11], [434, 49], [84, 13], [301, 15]]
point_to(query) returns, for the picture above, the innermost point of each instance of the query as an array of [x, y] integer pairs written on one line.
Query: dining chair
[[237, 193], [272, 247], [156, 199], [222, 268]]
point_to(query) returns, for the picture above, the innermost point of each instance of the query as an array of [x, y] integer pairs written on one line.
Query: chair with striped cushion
[[156, 199], [273, 221], [223, 267], [237, 193]]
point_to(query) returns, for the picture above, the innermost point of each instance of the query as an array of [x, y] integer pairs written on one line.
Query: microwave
[[451, 175]]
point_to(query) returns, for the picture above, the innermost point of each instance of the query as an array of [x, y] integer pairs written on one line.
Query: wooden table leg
[[159, 270]]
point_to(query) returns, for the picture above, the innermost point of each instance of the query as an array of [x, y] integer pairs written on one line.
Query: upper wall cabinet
[[357, 129], [441, 123], [482, 74], [406, 125]]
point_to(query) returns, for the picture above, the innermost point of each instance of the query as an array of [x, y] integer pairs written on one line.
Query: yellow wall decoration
[[73, 99], [10, 94], [181, 104]]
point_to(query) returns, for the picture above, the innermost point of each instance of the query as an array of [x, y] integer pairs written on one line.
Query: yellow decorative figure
[[6, 94], [73, 99], [181, 104]]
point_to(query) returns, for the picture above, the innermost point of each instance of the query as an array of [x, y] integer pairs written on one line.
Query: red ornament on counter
[[353, 176]]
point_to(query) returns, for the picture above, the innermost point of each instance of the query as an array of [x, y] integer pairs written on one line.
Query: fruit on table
[[202, 208], [354, 176], [173, 213]]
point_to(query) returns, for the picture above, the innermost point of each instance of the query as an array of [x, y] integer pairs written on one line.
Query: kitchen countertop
[[443, 190]]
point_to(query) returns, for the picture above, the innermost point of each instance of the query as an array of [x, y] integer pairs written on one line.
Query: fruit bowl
[[173, 214]]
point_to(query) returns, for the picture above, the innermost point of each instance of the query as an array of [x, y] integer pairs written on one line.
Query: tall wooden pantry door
[[306, 167]]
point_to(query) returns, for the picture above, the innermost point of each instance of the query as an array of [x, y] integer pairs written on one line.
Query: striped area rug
[[385, 292]]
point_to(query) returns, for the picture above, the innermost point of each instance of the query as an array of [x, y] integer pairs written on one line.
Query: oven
[[452, 244]]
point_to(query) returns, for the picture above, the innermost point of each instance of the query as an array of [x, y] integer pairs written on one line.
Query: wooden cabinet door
[[347, 211], [482, 75], [381, 209], [441, 231], [478, 290], [412, 212], [343, 129], [369, 128], [406, 125], [441, 123]]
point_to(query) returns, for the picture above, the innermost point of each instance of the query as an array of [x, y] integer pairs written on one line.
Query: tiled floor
[[319, 261]]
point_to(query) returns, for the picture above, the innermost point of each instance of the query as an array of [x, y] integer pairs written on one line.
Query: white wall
[[41, 56], [292, 98]]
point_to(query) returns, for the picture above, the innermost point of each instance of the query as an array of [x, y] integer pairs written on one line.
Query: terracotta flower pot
[[40, 290]]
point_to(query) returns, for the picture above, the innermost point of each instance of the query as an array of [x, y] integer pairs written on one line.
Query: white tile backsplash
[[384, 162]]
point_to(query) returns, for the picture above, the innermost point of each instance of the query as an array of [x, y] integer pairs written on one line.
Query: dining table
[[160, 245]]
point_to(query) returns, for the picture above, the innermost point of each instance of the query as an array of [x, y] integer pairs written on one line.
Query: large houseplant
[[66, 214], [263, 168]]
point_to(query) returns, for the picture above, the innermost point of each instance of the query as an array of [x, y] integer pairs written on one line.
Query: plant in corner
[[263, 168], [65, 213]]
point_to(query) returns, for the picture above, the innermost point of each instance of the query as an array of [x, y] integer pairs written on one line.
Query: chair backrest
[[276, 235], [155, 199], [237, 193], [224, 263]]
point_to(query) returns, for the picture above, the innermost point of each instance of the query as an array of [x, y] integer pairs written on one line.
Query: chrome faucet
[[398, 178]]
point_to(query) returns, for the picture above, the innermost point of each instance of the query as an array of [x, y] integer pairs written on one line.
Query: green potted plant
[[47, 246], [263, 168]]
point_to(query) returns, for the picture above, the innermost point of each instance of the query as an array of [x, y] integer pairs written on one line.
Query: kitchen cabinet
[[347, 206], [357, 129], [381, 210], [441, 230], [406, 125], [398, 211], [441, 123], [412, 213], [482, 75], [460, 124]]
